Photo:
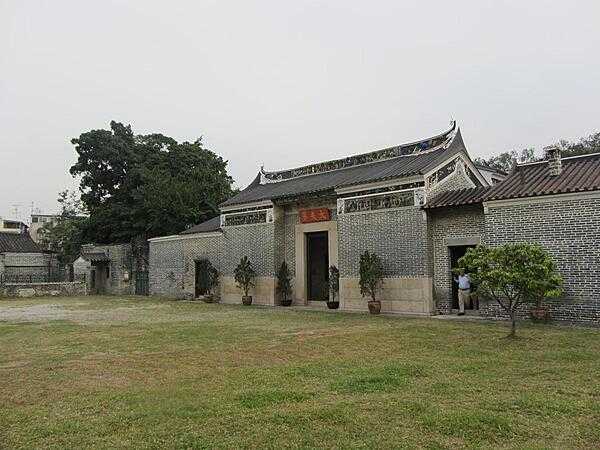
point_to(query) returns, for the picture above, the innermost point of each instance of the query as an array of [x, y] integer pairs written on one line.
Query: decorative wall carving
[[442, 173], [247, 218], [378, 202], [396, 187], [379, 155]]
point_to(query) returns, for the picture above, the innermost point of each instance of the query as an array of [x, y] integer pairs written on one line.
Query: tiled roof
[[458, 197], [321, 183], [18, 243], [213, 224], [579, 174], [96, 256]]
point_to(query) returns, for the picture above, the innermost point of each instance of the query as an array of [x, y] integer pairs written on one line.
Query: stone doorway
[[456, 252], [317, 256]]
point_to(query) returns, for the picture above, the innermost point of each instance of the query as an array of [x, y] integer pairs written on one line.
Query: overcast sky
[[283, 83]]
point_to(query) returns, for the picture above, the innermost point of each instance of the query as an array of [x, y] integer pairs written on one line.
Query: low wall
[[65, 289]]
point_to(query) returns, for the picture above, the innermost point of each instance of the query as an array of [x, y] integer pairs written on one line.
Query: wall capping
[[182, 237], [542, 199]]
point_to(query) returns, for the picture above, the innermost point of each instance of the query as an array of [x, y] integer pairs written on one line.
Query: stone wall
[[202, 246], [38, 267], [120, 262], [166, 269], [398, 236], [256, 241], [447, 227], [65, 289], [569, 228]]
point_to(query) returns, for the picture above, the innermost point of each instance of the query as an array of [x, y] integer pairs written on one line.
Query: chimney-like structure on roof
[[552, 155]]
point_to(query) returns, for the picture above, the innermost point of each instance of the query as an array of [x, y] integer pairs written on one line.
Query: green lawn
[[137, 372]]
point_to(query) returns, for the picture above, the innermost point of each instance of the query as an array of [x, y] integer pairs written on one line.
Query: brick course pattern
[[450, 223], [166, 268], [570, 231], [257, 242], [398, 236]]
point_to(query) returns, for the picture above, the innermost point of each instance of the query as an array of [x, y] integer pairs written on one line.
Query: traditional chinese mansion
[[419, 206]]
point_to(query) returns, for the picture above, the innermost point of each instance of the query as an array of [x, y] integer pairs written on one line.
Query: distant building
[[111, 269], [12, 226], [38, 221], [22, 260]]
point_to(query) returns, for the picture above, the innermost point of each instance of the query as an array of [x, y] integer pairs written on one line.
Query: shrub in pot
[[208, 280], [334, 288], [244, 276], [284, 284], [371, 279]]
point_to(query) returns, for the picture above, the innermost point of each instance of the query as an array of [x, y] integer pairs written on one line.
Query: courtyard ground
[[102, 372]]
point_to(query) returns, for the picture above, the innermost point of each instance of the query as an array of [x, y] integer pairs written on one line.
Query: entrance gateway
[[317, 259]]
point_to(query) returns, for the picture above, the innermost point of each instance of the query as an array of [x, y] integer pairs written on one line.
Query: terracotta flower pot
[[246, 300], [333, 305], [540, 314], [374, 306]]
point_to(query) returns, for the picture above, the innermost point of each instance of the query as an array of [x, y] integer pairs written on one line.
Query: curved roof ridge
[[436, 142]]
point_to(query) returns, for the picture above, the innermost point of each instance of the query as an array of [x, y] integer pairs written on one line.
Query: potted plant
[[207, 279], [334, 288], [284, 284], [244, 276], [371, 279]]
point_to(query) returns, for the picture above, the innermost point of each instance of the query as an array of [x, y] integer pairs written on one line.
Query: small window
[[34, 220]]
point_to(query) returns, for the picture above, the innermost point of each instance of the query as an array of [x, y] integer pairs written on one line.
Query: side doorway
[[456, 252]]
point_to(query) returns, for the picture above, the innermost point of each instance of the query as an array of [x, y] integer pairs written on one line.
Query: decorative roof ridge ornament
[[423, 146]]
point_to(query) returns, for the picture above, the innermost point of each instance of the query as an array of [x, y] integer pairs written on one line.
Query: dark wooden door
[[457, 252], [318, 265]]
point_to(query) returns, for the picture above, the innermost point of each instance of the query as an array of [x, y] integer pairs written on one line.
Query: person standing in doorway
[[464, 291]]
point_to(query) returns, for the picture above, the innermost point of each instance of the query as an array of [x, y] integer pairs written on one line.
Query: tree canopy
[[146, 185], [507, 160], [513, 275], [64, 235]]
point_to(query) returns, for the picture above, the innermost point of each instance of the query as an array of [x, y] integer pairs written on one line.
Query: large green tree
[[507, 160], [146, 185], [65, 234], [513, 275]]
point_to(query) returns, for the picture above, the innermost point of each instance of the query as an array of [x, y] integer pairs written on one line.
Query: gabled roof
[[208, 226], [18, 243], [458, 197], [579, 174], [395, 162]]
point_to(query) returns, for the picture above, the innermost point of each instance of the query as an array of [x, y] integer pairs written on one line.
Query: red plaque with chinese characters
[[315, 215]]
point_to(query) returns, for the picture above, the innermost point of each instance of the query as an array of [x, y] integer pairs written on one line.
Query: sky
[[285, 83]]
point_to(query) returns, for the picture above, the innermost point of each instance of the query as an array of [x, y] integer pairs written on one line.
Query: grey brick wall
[[257, 242], [166, 263], [120, 262], [398, 236], [290, 220], [37, 266], [466, 222], [570, 231]]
